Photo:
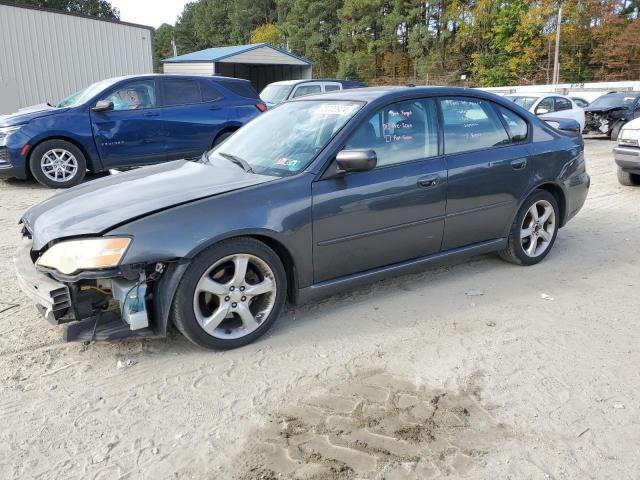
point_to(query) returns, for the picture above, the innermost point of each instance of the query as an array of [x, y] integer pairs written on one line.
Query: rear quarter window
[[243, 89]]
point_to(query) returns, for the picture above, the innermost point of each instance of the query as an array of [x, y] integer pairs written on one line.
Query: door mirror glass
[[541, 111], [356, 160], [103, 106]]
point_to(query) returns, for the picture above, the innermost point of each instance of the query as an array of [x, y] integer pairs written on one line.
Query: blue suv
[[124, 122]]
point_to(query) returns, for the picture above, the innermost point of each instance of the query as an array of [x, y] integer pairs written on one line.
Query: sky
[[149, 12]]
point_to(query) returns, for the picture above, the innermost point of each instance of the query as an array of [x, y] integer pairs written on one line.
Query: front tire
[[628, 179], [230, 295], [58, 164], [534, 230], [615, 131]]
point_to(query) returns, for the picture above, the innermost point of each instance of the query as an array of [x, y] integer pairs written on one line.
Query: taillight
[[261, 106]]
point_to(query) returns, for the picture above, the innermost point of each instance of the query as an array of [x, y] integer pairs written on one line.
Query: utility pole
[[556, 62]]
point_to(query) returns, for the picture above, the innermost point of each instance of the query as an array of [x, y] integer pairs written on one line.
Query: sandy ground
[[460, 372]]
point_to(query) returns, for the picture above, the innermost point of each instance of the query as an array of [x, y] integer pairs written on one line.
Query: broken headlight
[[629, 136], [86, 254]]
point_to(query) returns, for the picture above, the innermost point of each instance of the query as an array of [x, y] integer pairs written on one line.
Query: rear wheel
[[58, 164], [628, 179], [230, 295], [534, 230]]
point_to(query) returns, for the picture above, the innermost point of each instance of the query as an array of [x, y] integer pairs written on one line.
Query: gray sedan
[[314, 197]]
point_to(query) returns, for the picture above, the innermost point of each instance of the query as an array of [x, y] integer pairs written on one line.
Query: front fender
[[278, 210]]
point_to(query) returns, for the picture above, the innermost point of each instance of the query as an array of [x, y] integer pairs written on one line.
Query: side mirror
[[542, 111], [564, 124], [102, 106], [356, 160]]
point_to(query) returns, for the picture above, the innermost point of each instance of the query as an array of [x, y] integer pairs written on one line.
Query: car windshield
[[614, 100], [285, 140], [275, 93], [524, 102], [85, 94]]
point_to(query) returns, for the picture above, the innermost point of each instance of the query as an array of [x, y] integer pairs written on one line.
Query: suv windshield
[[615, 100], [85, 94], [286, 139], [275, 93], [524, 102]]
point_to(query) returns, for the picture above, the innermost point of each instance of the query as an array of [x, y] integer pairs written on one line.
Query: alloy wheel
[[234, 296], [538, 228], [59, 165]]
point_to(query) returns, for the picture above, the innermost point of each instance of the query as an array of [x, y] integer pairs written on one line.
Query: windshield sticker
[[335, 109], [289, 163]]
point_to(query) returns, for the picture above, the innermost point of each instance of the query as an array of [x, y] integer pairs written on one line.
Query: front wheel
[[628, 179], [534, 230], [230, 295], [58, 164], [615, 131]]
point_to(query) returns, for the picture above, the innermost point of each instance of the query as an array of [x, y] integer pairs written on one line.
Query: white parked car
[[549, 105], [627, 154]]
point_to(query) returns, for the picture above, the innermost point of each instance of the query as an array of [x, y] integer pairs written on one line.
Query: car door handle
[[429, 181], [152, 114], [519, 163]]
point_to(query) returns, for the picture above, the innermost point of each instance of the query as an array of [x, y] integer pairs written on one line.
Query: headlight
[[5, 131], [629, 136], [90, 254]]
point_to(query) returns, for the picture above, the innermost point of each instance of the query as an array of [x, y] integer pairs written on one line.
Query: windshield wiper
[[237, 160]]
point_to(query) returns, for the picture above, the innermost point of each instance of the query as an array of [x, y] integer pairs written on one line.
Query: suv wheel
[[58, 164], [628, 179], [230, 295], [615, 131], [534, 230]]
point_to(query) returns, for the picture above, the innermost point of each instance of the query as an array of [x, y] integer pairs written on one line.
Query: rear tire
[[628, 179], [230, 295], [58, 164], [534, 230]]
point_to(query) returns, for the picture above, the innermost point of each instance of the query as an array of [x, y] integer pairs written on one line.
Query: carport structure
[[261, 63]]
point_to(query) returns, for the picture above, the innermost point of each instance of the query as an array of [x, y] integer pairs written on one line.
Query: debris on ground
[[491, 323], [474, 293], [125, 363], [545, 296]]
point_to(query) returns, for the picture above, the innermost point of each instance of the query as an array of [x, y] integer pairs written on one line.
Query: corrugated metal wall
[[47, 56]]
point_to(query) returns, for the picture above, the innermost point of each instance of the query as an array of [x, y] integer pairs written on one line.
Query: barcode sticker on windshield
[[335, 109]]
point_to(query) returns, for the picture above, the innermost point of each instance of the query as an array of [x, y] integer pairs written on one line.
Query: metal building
[[47, 54], [261, 63]]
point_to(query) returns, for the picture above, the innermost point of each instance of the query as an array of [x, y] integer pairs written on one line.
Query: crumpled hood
[[26, 114], [602, 109], [98, 206]]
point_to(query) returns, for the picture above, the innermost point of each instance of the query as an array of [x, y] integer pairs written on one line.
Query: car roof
[[175, 75], [537, 94], [370, 94], [306, 80]]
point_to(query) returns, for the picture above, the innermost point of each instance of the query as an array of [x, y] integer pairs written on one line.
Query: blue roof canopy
[[219, 53]]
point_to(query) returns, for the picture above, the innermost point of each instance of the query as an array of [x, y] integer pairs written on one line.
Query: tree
[[162, 45], [267, 33], [95, 8]]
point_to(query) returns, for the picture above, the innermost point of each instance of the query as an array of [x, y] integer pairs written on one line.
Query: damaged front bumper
[[92, 308]]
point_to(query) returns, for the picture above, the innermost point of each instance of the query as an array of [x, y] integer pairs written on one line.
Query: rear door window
[[331, 87], [470, 124], [562, 104], [179, 91], [209, 92], [303, 90]]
